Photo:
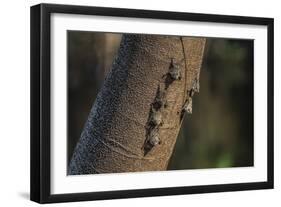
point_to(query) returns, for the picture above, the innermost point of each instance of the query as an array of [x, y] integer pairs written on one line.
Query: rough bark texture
[[119, 133]]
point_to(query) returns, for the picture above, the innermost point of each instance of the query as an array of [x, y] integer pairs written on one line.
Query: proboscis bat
[[194, 88], [160, 99], [152, 140], [174, 71], [187, 107], [156, 118]]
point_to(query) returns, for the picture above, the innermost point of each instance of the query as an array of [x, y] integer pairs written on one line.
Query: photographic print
[[134, 102]]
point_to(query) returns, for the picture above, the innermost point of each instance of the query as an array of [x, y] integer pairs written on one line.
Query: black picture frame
[[41, 98]]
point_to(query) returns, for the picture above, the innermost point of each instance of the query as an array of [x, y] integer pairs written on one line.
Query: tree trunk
[[135, 120]]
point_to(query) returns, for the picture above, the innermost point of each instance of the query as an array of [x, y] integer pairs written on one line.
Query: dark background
[[219, 133]]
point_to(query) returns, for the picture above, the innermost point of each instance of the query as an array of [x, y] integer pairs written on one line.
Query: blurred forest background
[[219, 133]]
